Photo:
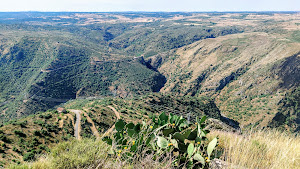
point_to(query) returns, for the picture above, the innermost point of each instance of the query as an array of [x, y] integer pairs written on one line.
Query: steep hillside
[[156, 38], [241, 70], [245, 62], [50, 62], [38, 73], [142, 107], [22, 140], [25, 139], [247, 73], [288, 116]]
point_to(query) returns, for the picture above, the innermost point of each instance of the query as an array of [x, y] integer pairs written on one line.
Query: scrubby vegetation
[[288, 116], [160, 144], [141, 107], [261, 149], [149, 75], [25, 139], [52, 127], [50, 58], [87, 153]]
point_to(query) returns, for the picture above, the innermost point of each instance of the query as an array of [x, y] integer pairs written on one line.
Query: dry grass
[[261, 149], [89, 153], [202, 66]]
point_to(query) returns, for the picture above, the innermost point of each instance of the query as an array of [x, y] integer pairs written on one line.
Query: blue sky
[[150, 5]]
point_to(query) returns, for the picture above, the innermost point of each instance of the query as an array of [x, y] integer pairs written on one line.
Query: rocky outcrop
[[155, 61], [218, 164]]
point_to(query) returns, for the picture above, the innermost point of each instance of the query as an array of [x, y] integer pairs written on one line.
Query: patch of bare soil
[[93, 128], [118, 117]]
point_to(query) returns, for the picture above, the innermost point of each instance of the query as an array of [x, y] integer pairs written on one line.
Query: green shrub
[[28, 156], [5, 139], [39, 122], [20, 133], [15, 149], [37, 133], [3, 145], [48, 116]]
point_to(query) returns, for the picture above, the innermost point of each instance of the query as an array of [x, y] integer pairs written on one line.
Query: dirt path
[[118, 117], [115, 111], [61, 123], [72, 119], [93, 128], [77, 124]]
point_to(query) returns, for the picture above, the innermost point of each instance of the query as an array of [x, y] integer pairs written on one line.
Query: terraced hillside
[[25, 139]]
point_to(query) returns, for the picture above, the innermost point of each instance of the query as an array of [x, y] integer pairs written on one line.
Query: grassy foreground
[[262, 149], [86, 153]]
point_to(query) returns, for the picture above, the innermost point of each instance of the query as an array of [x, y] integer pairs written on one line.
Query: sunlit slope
[[246, 73], [26, 138]]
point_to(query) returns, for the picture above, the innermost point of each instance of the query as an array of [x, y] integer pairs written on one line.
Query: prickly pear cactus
[[165, 134]]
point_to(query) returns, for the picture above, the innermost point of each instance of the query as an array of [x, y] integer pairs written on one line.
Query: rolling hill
[[246, 62], [241, 70], [23, 139]]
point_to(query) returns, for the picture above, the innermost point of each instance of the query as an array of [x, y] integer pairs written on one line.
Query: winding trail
[[112, 127], [115, 111], [93, 127], [77, 124], [72, 118], [61, 123]]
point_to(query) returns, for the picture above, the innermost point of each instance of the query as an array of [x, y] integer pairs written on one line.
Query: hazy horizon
[[150, 6], [153, 11]]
